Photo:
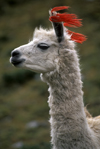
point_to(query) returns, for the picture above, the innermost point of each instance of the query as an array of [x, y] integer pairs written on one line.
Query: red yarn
[[69, 20], [77, 37], [59, 8]]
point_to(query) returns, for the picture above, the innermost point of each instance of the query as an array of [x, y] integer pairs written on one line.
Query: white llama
[[53, 55]]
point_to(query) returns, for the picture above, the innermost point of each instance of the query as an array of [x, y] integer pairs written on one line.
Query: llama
[[52, 53]]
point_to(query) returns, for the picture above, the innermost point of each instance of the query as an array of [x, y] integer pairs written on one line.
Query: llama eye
[[43, 46]]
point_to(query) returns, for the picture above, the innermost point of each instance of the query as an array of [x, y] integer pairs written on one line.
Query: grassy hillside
[[24, 111]]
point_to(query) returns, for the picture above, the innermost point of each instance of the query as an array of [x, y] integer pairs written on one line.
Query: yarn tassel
[[59, 8], [69, 20], [80, 38]]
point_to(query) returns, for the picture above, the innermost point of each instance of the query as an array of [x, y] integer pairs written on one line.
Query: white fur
[[59, 68]]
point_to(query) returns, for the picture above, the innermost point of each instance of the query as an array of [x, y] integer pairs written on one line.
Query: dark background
[[24, 112]]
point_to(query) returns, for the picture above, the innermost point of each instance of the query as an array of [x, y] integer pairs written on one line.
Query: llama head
[[48, 46], [42, 53]]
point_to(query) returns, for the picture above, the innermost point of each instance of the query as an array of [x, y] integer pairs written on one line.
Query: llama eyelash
[[43, 46]]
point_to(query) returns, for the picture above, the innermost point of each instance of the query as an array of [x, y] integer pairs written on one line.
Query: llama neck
[[68, 120]]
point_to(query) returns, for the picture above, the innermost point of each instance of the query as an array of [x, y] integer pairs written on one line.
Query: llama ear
[[59, 30], [58, 26]]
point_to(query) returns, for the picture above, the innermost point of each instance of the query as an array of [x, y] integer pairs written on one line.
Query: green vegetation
[[23, 97]]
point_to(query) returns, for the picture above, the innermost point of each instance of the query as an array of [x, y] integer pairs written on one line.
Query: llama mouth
[[16, 62]]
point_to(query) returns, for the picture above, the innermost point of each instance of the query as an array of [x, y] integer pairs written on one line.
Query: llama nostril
[[15, 53]]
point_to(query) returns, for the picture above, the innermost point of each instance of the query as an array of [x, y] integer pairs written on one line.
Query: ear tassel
[[77, 37], [59, 8], [69, 20]]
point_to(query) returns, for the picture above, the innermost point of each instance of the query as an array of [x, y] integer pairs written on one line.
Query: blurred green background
[[24, 112]]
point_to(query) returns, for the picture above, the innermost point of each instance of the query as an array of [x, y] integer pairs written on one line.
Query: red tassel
[[59, 8], [80, 38], [69, 19]]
